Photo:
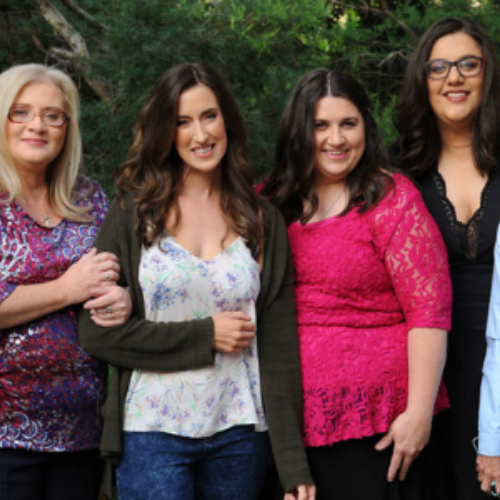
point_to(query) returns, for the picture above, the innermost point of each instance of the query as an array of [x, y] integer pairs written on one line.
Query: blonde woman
[[50, 389]]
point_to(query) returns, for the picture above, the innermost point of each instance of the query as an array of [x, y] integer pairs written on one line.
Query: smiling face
[[339, 139], [33, 145], [455, 99], [201, 139]]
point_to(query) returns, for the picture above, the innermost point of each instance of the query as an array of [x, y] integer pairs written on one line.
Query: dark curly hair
[[419, 143], [155, 171], [292, 181]]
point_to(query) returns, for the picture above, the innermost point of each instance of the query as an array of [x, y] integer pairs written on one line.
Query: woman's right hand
[[233, 331], [92, 270]]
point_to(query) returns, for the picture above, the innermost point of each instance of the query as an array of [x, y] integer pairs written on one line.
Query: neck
[[331, 199], [201, 185], [33, 186]]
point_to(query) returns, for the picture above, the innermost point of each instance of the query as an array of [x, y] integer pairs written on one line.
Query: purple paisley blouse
[[50, 389]]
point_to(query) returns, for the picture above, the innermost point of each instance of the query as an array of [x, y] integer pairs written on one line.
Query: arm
[[280, 363], [417, 263], [488, 460], [410, 431], [73, 287]]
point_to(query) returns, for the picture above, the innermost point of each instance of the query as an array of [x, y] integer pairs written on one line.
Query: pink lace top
[[362, 282]]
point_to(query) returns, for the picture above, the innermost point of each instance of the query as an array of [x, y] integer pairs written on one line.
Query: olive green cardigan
[[167, 347]]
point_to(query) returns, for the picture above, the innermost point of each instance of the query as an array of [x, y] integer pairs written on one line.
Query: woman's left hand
[[409, 433], [302, 492], [111, 306], [488, 469]]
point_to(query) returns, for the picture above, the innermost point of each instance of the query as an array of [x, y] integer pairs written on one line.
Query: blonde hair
[[63, 171]]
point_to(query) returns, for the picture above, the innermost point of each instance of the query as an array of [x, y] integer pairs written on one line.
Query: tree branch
[[383, 12], [71, 5], [79, 54]]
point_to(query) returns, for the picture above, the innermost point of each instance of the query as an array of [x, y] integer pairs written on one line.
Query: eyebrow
[[206, 111]]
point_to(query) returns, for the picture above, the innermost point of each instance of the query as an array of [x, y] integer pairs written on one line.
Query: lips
[[34, 142], [203, 151], [336, 154], [457, 95]]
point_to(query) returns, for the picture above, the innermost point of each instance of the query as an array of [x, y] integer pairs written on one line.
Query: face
[[201, 138], [339, 138], [34, 145], [455, 99]]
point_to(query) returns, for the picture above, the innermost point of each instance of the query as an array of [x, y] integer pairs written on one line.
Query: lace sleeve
[[416, 258]]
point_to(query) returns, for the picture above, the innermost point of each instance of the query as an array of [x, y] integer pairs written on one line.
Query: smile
[[204, 150]]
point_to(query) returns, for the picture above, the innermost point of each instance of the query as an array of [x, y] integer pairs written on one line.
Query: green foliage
[[261, 47]]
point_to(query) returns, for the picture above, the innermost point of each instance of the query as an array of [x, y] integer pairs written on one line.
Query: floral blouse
[[179, 286], [50, 389]]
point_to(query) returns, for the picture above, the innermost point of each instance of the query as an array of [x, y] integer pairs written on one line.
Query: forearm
[[426, 358], [29, 302], [146, 345]]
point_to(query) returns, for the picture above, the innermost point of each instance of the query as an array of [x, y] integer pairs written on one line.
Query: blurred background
[[116, 49]]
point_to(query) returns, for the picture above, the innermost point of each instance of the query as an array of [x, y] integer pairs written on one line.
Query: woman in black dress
[[448, 120]]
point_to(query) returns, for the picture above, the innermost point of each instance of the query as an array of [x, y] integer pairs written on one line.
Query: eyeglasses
[[52, 117], [439, 69], [493, 489]]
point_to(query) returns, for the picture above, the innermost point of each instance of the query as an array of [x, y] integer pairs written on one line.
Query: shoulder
[[400, 194]]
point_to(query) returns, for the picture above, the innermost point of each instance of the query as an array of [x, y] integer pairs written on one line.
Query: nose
[[454, 74], [200, 133], [36, 122], [335, 137]]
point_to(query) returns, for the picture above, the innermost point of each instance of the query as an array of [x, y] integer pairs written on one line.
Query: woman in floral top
[[50, 389], [372, 290], [207, 369]]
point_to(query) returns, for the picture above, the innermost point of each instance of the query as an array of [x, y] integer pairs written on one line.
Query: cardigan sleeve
[[279, 357], [139, 343]]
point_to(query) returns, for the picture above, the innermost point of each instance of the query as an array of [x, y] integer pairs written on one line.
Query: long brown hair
[[419, 143], [292, 181], [155, 171]]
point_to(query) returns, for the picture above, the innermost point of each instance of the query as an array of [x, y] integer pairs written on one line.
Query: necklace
[[337, 198], [46, 221]]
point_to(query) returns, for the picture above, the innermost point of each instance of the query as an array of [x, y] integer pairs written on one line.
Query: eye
[[349, 123], [18, 112], [319, 125], [53, 116], [438, 67], [212, 115], [181, 122], [469, 64]]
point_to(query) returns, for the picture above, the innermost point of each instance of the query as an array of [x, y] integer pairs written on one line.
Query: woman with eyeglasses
[[449, 124], [50, 389]]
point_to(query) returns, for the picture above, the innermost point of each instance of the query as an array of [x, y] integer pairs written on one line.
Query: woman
[[372, 293], [50, 389], [212, 337], [449, 126]]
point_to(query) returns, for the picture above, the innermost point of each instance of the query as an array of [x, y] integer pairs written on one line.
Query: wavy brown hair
[[154, 171], [292, 182], [419, 143]]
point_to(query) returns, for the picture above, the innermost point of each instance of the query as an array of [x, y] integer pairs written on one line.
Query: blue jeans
[[229, 465]]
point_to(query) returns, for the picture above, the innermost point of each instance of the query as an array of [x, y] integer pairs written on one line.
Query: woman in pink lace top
[[372, 289]]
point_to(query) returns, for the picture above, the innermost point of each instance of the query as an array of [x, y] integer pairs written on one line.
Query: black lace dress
[[470, 251]]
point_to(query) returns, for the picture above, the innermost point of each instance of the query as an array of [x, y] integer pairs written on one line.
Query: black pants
[[32, 475], [354, 470]]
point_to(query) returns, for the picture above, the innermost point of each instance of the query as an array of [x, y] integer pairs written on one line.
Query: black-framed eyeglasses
[[437, 69], [52, 117]]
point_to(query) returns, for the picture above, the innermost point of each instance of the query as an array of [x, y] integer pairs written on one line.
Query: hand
[[409, 433], [488, 469], [302, 492], [111, 307], [233, 331], [91, 271]]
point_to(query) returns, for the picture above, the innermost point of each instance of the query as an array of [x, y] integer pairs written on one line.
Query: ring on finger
[[107, 276], [109, 310]]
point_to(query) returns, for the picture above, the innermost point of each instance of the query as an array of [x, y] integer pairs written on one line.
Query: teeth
[[456, 94], [203, 150], [335, 152]]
